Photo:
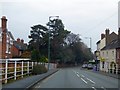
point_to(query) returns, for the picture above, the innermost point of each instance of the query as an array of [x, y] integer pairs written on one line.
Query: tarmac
[[32, 80]]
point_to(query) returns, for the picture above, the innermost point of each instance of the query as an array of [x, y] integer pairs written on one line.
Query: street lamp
[[49, 31], [90, 42]]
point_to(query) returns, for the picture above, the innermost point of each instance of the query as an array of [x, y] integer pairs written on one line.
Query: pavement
[[104, 73], [31, 80], [108, 74]]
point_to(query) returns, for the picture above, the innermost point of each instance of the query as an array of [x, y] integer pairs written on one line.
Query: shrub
[[39, 69]]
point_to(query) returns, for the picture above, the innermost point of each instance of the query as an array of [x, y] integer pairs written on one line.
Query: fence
[[13, 69]]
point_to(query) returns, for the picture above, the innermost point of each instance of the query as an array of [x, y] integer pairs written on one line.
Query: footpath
[[27, 83], [108, 74]]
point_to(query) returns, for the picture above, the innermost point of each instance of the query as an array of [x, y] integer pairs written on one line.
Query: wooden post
[[22, 69], [6, 67], [28, 67], [15, 70]]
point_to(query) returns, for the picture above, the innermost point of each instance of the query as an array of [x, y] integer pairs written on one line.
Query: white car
[[84, 66], [90, 66]]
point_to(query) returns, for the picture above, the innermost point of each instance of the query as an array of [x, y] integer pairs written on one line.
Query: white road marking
[[103, 88], [82, 75], [77, 72], [90, 80], [94, 88], [84, 80], [78, 75]]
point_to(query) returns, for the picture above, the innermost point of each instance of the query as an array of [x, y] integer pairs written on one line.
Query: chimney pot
[[3, 23], [22, 40], [18, 39], [102, 36]]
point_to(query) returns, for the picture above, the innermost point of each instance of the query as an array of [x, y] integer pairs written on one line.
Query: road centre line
[[90, 80], [82, 75], [78, 75], [84, 80], [77, 72]]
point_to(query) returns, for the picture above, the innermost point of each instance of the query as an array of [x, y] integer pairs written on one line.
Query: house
[[6, 40], [109, 54], [18, 48], [107, 50]]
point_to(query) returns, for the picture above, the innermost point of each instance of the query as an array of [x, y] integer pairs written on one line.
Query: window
[[103, 53], [107, 54], [113, 53]]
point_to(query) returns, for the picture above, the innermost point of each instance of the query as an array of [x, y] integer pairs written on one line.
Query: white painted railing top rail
[[15, 68]]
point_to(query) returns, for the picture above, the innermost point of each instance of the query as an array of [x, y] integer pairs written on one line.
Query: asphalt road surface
[[79, 78]]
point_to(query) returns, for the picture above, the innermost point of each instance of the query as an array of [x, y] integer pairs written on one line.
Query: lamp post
[[90, 42], [49, 31]]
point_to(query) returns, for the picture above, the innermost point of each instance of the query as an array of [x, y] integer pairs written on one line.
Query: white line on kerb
[[84, 80], [90, 80], [94, 88]]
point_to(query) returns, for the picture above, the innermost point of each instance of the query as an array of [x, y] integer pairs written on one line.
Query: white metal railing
[[17, 68]]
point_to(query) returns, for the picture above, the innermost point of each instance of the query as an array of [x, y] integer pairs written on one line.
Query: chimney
[[18, 39], [102, 36], [107, 31], [22, 40], [4, 23]]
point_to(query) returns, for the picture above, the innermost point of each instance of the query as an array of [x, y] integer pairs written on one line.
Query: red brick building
[[18, 48], [6, 40], [9, 48]]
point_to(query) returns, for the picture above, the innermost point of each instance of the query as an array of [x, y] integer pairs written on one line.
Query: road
[[78, 78]]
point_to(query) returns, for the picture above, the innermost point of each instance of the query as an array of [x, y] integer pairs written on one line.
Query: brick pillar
[[4, 30]]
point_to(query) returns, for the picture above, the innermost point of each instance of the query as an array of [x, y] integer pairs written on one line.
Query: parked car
[[84, 66], [90, 66]]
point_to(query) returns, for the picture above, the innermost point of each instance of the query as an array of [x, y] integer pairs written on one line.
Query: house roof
[[98, 42], [8, 32], [11, 35], [112, 45], [20, 45]]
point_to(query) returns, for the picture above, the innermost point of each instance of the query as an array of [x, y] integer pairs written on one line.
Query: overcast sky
[[89, 18]]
